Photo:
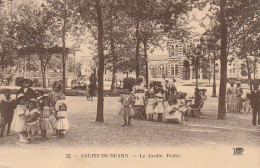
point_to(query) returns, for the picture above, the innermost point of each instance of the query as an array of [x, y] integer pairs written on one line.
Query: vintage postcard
[[129, 83]]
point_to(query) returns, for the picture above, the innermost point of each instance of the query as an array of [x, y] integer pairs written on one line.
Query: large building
[[174, 64]]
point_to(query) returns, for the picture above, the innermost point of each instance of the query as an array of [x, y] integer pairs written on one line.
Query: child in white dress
[[46, 111], [32, 120], [150, 105], [18, 124], [159, 108], [62, 115]]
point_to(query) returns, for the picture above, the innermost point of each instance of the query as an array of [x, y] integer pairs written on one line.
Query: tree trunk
[[137, 49], [146, 63], [100, 104], [114, 63], [223, 62], [95, 77], [249, 74], [64, 47]]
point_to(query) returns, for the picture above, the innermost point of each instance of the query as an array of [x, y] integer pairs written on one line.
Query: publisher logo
[[238, 151]]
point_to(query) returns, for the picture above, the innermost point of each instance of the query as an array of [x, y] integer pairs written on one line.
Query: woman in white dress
[[159, 108], [176, 109]]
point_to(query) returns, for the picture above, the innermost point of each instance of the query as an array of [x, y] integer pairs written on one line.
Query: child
[[140, 103], [46, 112], [150, 104], [18, 124], [7, 107], [62, 116], [127, 111], [160, 109], [32, 123]]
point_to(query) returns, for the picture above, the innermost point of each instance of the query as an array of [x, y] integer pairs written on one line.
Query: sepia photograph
[[129, 83]]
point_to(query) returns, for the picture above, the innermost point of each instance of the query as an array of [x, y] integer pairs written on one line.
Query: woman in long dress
[[55, 95], [176, 109], [231, 98]]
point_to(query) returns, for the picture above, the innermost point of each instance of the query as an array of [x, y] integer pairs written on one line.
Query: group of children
[[173, 109], [28, 117]]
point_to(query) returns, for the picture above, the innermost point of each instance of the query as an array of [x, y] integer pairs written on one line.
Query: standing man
[[166, 88], [255, 103]]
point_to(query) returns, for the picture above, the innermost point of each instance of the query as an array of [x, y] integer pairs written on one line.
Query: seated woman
[[175, 109]]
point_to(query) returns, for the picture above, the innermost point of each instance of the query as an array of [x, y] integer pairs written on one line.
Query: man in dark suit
[[255, 103], [26, 90]]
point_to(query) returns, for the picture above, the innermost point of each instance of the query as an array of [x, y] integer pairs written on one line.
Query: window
[[176, 50], [172, 69], [176, 69]]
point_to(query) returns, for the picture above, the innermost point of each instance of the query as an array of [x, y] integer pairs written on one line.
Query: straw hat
[[59, 103], [26, 80], [33, 100]]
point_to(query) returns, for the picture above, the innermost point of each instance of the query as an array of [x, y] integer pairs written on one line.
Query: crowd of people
[[33, 112], [161, 100], [234, 97]]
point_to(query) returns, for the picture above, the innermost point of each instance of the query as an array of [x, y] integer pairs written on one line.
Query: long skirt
[[232, 103]]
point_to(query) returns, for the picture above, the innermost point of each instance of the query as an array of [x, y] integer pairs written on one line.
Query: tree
[[197, 57], [36, 35], [223, 62], [245, 30], [100, 104]]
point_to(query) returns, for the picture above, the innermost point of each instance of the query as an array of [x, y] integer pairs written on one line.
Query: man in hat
[[26, 90], [255, 103]]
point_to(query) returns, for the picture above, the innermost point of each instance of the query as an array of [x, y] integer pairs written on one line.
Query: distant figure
[[231, 98], [166, 88], [239, 97], [91, 88]]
